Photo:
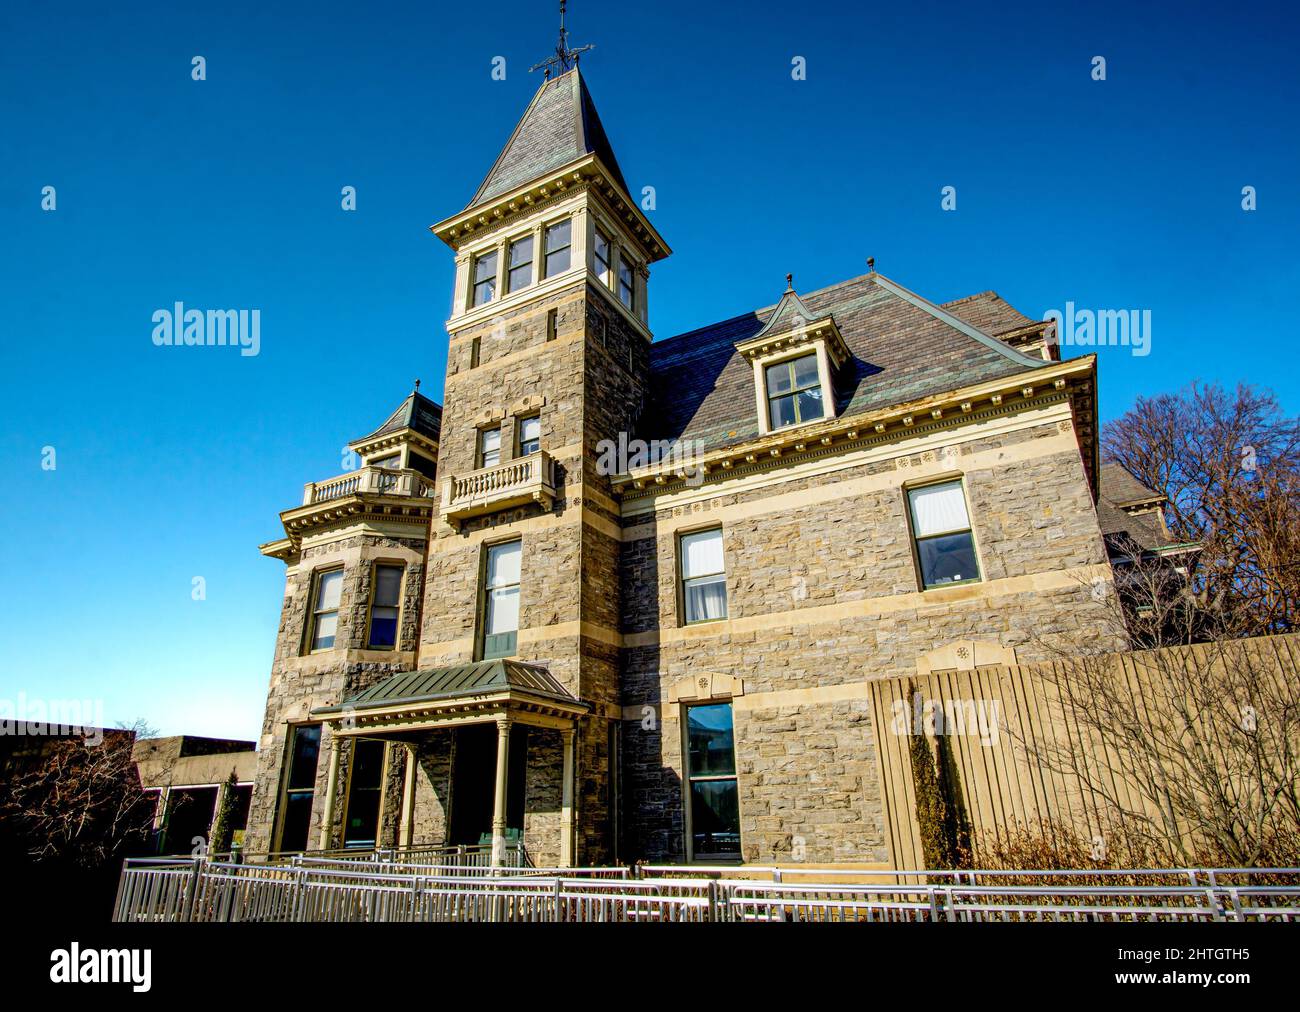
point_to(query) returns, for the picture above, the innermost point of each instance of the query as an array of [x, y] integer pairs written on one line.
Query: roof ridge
[[975, 295], [761, 310]]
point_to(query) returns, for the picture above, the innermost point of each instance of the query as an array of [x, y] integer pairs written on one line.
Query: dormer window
[[558, 248], [794, 392], [794, 355], [485, 278]]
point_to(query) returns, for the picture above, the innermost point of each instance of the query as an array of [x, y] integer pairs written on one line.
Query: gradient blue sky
[[173, 463]]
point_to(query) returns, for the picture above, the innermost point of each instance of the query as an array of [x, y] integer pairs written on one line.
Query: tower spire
[[565, 59]]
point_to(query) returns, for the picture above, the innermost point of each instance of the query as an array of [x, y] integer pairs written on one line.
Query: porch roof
[[457, 686]]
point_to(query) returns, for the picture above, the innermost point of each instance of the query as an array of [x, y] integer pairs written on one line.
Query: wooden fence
[[1002, 719]]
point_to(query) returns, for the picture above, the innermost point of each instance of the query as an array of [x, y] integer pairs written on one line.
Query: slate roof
[[455, 681], [990, 313], [1146, 530], [559, 126], [701, 387], [416, 412]]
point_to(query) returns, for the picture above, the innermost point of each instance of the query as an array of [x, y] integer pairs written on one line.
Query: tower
[[548, 357]]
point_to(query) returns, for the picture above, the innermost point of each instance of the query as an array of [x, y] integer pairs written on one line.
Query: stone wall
[[301, 681], [823, 594]]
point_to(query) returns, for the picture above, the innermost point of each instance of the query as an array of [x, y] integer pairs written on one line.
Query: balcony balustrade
[[372, 481], [519, 481]]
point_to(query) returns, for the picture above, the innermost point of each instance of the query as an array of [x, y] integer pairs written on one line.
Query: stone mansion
[[495, 631]]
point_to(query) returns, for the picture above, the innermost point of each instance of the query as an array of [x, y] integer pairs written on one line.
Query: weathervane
[[564, 58]]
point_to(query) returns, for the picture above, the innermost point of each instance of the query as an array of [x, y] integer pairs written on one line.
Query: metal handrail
[[376, 890]]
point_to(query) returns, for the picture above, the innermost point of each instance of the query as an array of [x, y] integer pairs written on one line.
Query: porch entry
[[473, 778], [489, 707]]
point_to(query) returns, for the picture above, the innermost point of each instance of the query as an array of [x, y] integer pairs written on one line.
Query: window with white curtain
[[704, 578], [945, 547], [530, 435], [489, 447], [501, 600], [325, 609]]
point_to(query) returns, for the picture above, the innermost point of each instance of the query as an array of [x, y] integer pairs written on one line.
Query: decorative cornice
[[804, 332], [584, 172]]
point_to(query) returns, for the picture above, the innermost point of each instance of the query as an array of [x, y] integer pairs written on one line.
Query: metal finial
[[789, 282], [565, 59], [871, 264], [417, 386]]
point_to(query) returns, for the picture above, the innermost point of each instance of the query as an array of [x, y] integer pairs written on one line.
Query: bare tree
[[1192, 751], [83, 803], [1230, 464]]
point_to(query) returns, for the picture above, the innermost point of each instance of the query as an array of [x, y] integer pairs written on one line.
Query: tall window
[[501, 600], [557, 248], [794, 391], [365, 783], [385, 603], [489, 447], [325, 609], [945, 547], [626, 293], [485, 278], [704, 580], [521, 264], [711, 773], [601, 257], [299, 787], [530, 435]]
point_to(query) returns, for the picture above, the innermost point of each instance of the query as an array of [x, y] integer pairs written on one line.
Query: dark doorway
[[189, 817], [474, 783], [361, 826]]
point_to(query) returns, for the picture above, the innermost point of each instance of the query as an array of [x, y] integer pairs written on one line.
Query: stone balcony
[[514, 483], [369, 481]]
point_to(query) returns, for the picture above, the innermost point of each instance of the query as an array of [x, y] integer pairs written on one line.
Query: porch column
[[566, 800], [499, 802], [406, 834], [327, 816]]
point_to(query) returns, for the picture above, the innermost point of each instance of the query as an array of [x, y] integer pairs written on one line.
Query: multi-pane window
[[704, 580], [602, 256], [945, 547], [325, 609], [711, 773], [625, 289], [489, 447], [385, 603], [299, 787], [521, 264], [365, 784], [485, 278], [501, 600], [530, 435], [794, 391], [392, 462], [558, 248]]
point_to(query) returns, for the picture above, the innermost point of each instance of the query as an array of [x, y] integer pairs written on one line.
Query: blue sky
[[173, 463]]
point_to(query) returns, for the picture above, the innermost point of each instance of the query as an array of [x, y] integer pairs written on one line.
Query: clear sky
[[172, 463]]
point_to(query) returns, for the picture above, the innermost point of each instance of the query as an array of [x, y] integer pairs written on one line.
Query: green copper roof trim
[[457, 681]]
